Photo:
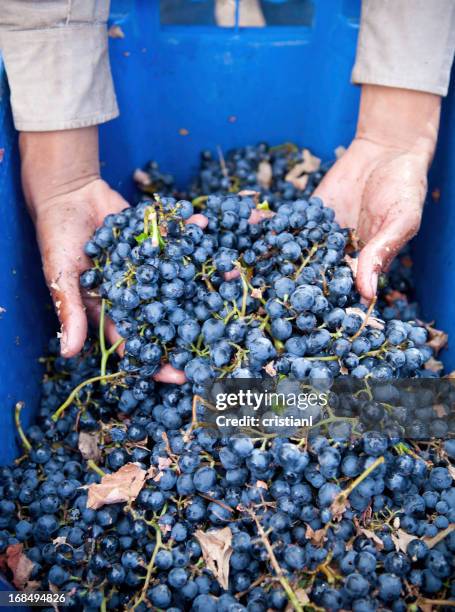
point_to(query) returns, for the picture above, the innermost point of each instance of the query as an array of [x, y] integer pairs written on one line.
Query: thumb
[[169, 374], [104, 200], [379, 252], [63, 282], [198, 219], [116, 202]]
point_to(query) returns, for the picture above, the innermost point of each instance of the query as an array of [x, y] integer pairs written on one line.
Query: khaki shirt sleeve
[[55, 54], [406, 43]]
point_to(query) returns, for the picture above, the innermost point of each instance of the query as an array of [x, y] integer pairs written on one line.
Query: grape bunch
[[335, 524], [351, 517], [243, 299], [262, 168], [244, 167], [240, 171]]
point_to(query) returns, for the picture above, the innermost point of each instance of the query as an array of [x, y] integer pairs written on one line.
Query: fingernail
[[374, 283]]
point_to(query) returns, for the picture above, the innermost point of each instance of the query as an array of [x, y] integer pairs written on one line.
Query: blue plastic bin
[[185, 88]]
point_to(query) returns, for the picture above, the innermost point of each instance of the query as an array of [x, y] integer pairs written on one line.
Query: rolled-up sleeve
[[55, 54], [406, 43]]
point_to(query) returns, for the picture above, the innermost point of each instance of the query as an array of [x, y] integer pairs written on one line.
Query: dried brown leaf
[[59, 540], [88, 446], [316, 537], [216, 550], [295, 172], [371, 322], [312, 163], [371, 535], [440, 410], [298, 176], [339, 506], [401, 539], [431, 542], [20, 565], [115, 31], [157, 474], [264, 174], [395, 295], [121, 486], [433, 365], [250, 193], [270, 368], [151, 472], [436, 194], [301, 183], [142, 178], [437, 338], [164, 462]]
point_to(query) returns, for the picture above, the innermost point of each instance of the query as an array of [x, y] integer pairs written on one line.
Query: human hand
[[379, 184], [68, 201]]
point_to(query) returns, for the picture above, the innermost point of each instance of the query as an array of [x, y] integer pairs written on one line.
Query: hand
[[68, 201], [379, 185]]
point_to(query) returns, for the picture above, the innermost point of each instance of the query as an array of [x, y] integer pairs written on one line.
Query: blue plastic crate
[[183, 88]]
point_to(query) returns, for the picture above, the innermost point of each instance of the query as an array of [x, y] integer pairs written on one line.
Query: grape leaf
[[88, 446], [216, 550], [20, 565], [121, 486]]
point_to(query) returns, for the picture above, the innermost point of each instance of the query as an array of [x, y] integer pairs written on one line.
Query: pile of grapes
[[124, 500]]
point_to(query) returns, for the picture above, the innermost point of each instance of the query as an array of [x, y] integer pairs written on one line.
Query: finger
[[63, 283], [231, 275], [198, 219], [169, 374], [257, 216], [393, 196], [380, 251]]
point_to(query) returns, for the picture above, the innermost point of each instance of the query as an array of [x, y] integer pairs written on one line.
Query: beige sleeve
[[406, 43], [56, 59]]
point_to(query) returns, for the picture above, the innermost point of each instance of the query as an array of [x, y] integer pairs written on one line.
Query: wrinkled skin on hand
[[63, 226], [378, 186], [68, 201], [379, 191]]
